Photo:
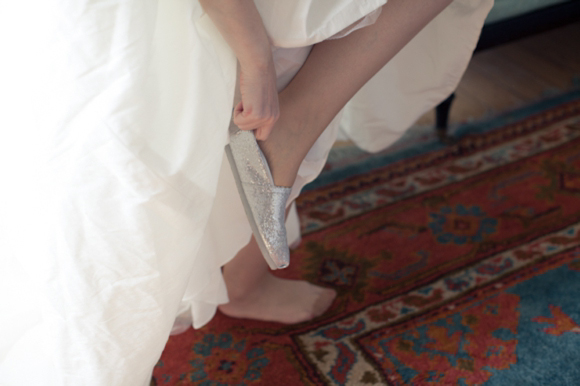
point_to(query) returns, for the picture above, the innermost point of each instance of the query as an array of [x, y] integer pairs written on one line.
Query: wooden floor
[[517, 74]]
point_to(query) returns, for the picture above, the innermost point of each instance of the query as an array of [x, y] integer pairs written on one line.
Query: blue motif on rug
[[545, 358]]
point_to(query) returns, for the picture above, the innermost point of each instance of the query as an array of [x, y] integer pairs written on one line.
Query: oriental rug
[[459, 265]]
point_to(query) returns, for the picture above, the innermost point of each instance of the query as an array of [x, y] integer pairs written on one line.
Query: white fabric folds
[[120, 209]]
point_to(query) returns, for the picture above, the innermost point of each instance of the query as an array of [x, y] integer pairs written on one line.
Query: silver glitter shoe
[[264, 202]]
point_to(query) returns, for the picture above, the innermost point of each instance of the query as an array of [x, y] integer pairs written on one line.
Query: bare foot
[[280, 300], [257, 294]]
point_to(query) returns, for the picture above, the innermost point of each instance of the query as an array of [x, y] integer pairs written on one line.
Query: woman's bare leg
[[332, 74]]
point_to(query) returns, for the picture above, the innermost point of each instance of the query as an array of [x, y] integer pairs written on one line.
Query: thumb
[[238, 109], [241, 120]]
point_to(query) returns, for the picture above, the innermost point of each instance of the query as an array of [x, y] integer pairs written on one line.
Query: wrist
[[256, 58]]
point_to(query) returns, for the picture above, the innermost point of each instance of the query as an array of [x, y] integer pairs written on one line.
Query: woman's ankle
[[283, 164], [285, 149], [245, 270]]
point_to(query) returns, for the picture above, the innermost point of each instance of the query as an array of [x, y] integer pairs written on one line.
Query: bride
[[135, 199]]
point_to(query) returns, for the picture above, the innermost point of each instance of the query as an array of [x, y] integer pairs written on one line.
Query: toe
[[324, 301]]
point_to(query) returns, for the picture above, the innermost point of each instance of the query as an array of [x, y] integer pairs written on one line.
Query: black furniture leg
[[442, 118]]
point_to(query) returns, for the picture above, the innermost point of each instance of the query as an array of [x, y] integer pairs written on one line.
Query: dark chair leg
[[442, 118]]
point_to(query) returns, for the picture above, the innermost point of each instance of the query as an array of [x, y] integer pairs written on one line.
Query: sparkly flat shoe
[[264, 202]]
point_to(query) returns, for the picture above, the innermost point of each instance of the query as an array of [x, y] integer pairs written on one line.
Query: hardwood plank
[[466, 107], [519, 80], [490, 92], [561, 46], [553, 74]]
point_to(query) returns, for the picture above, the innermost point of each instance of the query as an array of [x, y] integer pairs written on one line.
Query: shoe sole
[[271, 263]]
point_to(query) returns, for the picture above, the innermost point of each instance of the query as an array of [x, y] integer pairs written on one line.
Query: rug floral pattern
[[459, 266]]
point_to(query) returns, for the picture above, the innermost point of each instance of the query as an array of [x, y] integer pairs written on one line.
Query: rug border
[[379, 160]]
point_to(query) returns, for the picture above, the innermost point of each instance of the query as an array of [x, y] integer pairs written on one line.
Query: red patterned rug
[[460, 266]]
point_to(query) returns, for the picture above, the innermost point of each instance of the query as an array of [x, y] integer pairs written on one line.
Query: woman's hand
[[241, 26], [258, 110]]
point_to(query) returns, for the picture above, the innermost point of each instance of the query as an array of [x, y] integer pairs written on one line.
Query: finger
[[246, 122], [263, 132], [260, 136], [245, 127], [251, 121], [239, 108], [238, 112], [243, 120]]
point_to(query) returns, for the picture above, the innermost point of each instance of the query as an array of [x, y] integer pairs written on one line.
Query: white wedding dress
[[124, 209]]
